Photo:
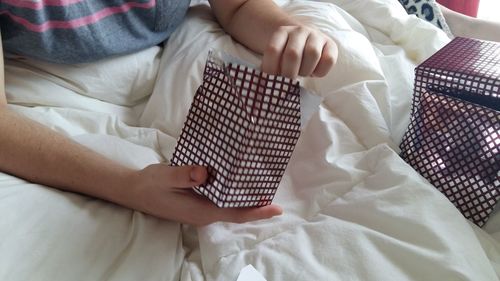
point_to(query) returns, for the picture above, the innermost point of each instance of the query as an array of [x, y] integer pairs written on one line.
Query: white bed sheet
[[353, 209]]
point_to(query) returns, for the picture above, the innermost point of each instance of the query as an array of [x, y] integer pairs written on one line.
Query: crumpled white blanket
[[353, 209]]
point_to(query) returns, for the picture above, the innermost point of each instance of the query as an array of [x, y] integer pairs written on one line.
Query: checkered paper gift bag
[[243, 125], [453, 138]]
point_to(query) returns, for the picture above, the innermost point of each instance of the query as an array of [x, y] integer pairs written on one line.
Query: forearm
[[251, 22], [33, 152]]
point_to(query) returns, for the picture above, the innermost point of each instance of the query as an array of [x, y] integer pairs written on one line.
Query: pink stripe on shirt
[[38, 5], [87, 20]]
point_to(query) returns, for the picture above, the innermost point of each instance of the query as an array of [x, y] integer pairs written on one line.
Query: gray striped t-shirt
[[78, 31]]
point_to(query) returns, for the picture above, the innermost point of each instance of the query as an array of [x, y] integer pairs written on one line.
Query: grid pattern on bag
[[453, 139], [468, 66], [243, 126], [455, 145]]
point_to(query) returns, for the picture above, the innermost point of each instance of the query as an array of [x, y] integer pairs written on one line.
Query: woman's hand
[[290, 48], [166, 192], [299, 50], [34, 152]]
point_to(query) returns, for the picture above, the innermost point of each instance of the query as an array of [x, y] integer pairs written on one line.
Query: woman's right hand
[[166, 192], [32, 151]]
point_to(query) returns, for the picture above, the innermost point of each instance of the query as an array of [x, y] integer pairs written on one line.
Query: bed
[[353, 210]]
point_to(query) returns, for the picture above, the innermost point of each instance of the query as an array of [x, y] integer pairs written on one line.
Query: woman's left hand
[[299, 50]]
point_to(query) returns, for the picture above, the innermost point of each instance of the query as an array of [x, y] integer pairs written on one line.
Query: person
[[81, 31]]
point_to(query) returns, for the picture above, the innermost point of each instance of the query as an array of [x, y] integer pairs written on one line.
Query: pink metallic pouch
[[243, 126], [453, 139]]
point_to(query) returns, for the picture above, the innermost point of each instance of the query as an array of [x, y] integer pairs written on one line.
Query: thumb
[[185, 176]]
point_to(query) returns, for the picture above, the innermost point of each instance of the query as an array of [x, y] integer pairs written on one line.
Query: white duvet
[[353, 209]]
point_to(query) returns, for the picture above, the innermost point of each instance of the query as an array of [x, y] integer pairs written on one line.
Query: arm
[[289, 47], [38, 154], [465, 26]]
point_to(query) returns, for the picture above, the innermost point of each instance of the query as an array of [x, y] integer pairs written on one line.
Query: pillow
[[427, 10]]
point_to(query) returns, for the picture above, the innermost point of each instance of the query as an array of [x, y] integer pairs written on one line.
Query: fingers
[[271, 61], [251, 214], [312, 54], [328, 59], [299, 50], [158, 194], [292, 55], [184, 176], [199, 211], [209, 213]]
